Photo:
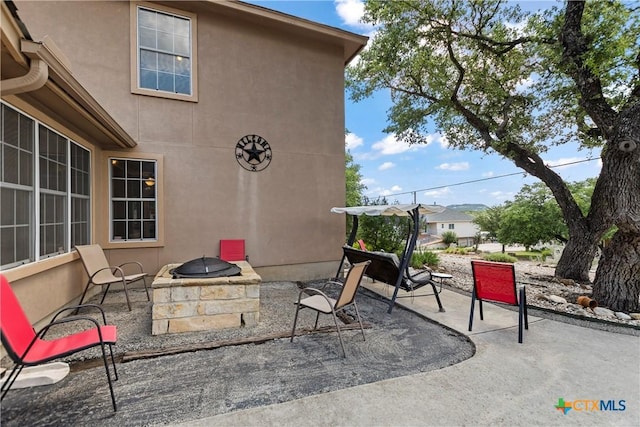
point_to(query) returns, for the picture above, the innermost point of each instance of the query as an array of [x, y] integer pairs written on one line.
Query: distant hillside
[[468, 207]]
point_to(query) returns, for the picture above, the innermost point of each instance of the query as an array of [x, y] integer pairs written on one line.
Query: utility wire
[[488, 178]]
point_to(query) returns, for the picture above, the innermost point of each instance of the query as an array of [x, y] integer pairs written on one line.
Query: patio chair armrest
[[312, 291], [111, 268], [76, 307], [133, 262], [44, 330], [413, 277]]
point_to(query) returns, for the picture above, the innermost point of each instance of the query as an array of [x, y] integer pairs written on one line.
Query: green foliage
[[449, 237], [353, 179], [489, 220], [386, 233], [499, 257], [421, 258], [458, 251]]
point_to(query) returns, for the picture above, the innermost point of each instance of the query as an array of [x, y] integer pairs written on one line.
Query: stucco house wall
[[258, 72]]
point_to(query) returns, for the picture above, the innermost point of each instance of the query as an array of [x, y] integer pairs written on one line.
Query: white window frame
[[36, 232], [134, 206], [136, 51]]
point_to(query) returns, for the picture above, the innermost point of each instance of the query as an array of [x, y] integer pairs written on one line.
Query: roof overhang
[[351, 43], [61, 97], [389, 210]]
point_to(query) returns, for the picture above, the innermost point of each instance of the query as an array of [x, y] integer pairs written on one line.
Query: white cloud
[[438, 193], [390, 145], [350, 11], [502, 195], [444, 142], [383, 192], [488, 174], [367, 181], [462, 166], [386, 165], [352, 140]]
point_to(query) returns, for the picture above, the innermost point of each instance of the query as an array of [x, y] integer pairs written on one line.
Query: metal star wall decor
[[253, 153]]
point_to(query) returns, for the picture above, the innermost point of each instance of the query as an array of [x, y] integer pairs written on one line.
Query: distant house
[[451, 220]]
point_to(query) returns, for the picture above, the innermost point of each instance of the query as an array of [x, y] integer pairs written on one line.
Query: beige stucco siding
[[286, 87]]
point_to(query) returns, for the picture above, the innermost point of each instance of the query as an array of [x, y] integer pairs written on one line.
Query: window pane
[[27, 138], [148, 210], [134, 230], [149, 230], [26, 168], [183, 84], [117, 188], [148, 79], [165, 63], [7, 214], [165, 22], [134, 210], [165, 82], [119, 210], [148, 38], [23, 244], [10, 164], [10, 126], [183, 66], [7, 243], [119, 230], [181, 27], [147, 18], [133, 188], [23, 207], [181, 45], [149, 189], [117, 168], [133, 169], [148, 60], [165, 41]]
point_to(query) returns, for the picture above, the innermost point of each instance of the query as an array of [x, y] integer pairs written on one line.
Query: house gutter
[[35, 78]]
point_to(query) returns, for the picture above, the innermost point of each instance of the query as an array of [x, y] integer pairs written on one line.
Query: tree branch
[[575, 46]]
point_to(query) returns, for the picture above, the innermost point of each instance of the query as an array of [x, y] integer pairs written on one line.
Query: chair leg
[[144, 280], [86, 288], [126, 293], [106, 367], [315, 325], [473, 306], [437, 295], [113, 362], [17, 368], [295, 320], [359, 321], [524, 305], [104, 293], [335, 320]]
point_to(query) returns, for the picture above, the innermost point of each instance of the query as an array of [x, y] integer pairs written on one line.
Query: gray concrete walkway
[[505, 383]]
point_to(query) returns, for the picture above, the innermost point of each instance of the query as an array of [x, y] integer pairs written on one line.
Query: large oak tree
[[493, 78]]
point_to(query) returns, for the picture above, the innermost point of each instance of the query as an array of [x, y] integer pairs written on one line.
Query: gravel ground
[[541, 284]]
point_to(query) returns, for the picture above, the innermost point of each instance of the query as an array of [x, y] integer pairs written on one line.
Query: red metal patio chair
[[232, 250], [496, 281], [26, 348]]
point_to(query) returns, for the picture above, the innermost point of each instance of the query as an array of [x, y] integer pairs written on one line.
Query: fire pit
[[183, 302]]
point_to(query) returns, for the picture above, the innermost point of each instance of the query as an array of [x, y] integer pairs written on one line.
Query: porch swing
[[387, 267]]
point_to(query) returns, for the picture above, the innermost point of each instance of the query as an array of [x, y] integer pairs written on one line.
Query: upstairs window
[[164, 53]]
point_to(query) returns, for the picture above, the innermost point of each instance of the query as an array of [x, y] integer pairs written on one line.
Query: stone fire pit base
[[184, 305]]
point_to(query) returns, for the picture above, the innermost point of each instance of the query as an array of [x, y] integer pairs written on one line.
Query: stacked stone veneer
[[183, 305]]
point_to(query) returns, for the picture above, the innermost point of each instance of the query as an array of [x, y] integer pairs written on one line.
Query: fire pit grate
[[205, 267]]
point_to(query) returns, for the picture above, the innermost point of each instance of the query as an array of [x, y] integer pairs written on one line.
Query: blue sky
[[432, 173]]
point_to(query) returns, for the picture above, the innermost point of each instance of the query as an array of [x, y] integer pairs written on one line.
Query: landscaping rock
[[557, 299], [623, 316], [605, 312]]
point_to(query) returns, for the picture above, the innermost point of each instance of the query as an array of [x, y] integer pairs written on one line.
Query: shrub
[[449, 237], [499, 257], [421, 258], [457, 250]]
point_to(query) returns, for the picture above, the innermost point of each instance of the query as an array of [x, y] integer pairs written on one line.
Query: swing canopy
[[390, 210]]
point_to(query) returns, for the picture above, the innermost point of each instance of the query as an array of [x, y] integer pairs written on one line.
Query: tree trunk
[[617, 283], [577, 257]]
